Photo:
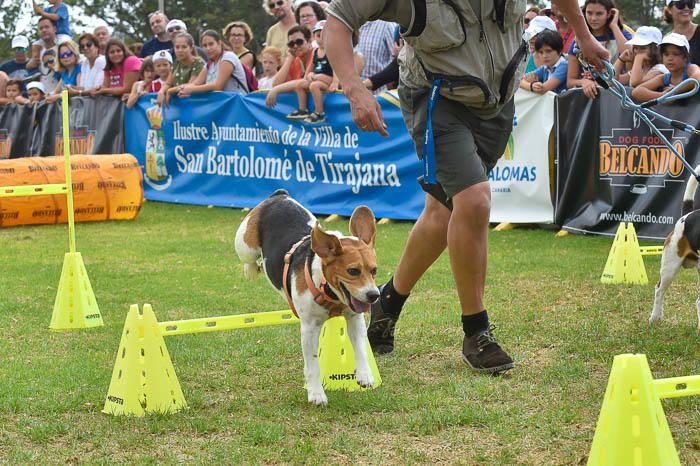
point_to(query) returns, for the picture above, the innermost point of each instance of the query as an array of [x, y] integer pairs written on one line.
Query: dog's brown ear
[[362, 225], [324, 244]]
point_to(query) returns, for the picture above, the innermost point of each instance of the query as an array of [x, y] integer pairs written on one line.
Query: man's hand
[[366, 111]]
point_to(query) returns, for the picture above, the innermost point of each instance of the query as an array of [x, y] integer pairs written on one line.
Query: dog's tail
[[689, 195]]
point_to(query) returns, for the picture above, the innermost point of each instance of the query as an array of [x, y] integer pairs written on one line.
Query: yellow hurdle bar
[[218, 324], [676, 387], [33, 190], [651, 250]]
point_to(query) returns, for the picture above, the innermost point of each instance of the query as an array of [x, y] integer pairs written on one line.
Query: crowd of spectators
[[172, 63]]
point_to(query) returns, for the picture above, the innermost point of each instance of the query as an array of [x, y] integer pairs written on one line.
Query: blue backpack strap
[[667, 79], [685, 71]]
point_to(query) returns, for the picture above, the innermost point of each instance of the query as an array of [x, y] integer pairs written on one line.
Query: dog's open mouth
[[355, 304]]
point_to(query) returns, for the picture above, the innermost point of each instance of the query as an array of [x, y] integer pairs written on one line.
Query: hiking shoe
[[483, 353], [316, 118], [298, 114], [380, 332]]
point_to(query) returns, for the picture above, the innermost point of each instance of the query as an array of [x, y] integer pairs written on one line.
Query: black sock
[[392, 301], [475, 323]]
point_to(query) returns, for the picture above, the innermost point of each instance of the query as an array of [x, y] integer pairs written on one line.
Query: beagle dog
[[320, 273], [680, 250]]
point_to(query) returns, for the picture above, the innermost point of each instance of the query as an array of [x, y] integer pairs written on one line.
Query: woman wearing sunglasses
[[68, 68], [679, 14], [92, 66]]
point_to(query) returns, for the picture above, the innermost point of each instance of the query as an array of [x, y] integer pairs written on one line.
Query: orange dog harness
[[333, 305]]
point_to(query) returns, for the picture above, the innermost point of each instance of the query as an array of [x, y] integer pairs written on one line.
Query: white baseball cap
[[36, 85], [319, 25], [20, 41], [678, 40], [296, 3], [668, 2], [162, 55], [176, 22], [539, 24], [646, 35]]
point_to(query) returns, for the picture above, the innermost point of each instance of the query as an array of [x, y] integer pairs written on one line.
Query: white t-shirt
[[232, 85], [91, 77], [265, 83], [49, 78], [660, 67]]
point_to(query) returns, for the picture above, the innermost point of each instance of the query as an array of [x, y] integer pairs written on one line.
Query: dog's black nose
[[372, 296]]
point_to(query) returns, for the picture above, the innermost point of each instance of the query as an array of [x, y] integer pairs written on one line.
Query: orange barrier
[[105, 187]]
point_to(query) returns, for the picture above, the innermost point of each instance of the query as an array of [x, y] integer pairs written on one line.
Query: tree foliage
[[10, 13], [129, 18]]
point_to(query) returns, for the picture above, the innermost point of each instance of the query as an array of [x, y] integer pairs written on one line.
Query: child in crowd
[[641, 63], [163, 65], [604, 22], [147, 76], [223, 72], [36, 93], [675, 53], [58, 13], [13, 89], [537, 26], [68, 68], [121, 70], [187, 67], [318, 80], [271, 58], [551, 76]]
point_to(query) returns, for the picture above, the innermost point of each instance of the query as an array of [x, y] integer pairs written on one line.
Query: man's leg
[[427, 240], [467, 243]]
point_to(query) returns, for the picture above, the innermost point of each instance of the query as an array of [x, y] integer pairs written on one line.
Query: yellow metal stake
[[75, 305]]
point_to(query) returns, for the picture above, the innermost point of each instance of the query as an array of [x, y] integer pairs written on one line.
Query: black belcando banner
[[612, 168], [96, 127]]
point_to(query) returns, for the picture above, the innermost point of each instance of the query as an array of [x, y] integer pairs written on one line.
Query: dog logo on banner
[[640, 161], [156, 170]]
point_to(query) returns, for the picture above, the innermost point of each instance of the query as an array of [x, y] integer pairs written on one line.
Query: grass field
[[245, 390]]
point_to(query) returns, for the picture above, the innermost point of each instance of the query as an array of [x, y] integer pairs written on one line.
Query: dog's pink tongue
[[359, 306]]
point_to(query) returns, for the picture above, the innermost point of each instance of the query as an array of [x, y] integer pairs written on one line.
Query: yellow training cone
[[336, 357], [75, 305], [632, 428], [144, 379], [625, 263]]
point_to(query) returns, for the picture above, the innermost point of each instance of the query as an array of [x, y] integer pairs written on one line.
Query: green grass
[[245, 390]]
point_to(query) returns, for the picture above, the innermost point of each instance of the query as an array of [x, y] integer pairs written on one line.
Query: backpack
[[250, 78]]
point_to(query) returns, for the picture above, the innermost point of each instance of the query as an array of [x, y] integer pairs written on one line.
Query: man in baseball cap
[[174, 27], [17, 67]]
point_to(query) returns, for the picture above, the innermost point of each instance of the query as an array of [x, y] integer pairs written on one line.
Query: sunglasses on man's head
[[273, 4], [684, 3], [295, 43], [66, 54], [174, 28], [86, 45]]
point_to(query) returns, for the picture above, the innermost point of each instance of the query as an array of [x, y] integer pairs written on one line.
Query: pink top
[[115, 76]]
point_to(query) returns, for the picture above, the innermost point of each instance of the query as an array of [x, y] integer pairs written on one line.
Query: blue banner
[[229, 150]]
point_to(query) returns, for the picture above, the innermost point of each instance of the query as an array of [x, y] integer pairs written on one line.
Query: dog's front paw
[[318, 397], [655, 317], [364, 379]]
